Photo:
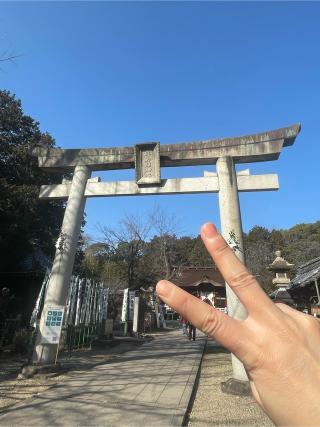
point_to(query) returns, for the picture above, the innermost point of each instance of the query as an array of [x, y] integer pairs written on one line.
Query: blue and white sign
[[52, 324]]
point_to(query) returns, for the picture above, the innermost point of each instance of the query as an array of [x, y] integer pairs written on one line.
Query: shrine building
[[207, 282]]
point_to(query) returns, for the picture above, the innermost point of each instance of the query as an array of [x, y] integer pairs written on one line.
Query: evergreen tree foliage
[[259, 253], [301, 243], [28, 226]]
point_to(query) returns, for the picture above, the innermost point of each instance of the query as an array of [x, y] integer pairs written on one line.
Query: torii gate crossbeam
[[206, 184]]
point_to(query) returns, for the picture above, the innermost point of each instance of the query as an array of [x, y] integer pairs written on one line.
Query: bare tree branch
[[127, 243], [166, 226], [164, 223], [8, 57]]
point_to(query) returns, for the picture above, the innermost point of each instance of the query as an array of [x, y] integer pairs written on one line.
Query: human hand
[[279, 346]]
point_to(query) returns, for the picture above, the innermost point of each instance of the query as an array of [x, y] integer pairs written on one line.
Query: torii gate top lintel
[[258, 147]]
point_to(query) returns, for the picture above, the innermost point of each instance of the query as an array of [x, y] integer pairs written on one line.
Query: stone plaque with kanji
[[147, 163]]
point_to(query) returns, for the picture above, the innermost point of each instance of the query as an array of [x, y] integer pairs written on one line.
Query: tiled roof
[[307, 273], [193, 276]]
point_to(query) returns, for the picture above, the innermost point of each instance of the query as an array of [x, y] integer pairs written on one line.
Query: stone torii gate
[[147, 160]]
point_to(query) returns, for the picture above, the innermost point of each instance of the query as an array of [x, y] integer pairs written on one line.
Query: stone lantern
[[281, 267]]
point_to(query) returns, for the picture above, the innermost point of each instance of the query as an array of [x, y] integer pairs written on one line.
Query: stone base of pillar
[[52, 369], [237, 387]]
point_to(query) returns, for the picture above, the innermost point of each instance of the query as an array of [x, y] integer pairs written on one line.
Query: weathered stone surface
[[66, 246], [29, 371], [245, 172], [251, 148], [231, 229], [237, 387], [147, 163], [168, 186]]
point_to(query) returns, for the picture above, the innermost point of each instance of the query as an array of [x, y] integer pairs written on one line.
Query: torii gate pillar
[[231, 229], [64, 257]]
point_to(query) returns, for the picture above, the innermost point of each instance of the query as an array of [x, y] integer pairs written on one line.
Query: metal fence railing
[[80, 336], [85, 311]]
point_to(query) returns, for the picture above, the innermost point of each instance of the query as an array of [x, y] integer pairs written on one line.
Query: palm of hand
[[279, 346]]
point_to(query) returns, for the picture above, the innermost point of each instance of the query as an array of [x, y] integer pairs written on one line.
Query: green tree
[[301, 243], [298, 244], [198, 255], [28, 225], [259, 253]]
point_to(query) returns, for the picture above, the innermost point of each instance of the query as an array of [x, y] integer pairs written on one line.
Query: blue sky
[[107, 74]]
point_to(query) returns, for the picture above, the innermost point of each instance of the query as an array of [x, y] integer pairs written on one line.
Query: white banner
[[124, 314], [127, 305]]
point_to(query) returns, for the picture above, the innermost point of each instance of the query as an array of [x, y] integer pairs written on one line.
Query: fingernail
[[209, 230], [163, 288]]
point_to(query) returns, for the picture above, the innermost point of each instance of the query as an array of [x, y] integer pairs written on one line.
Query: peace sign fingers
[[234, 272]]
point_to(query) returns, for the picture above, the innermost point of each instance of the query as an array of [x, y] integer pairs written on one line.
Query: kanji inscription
[[147, 163]]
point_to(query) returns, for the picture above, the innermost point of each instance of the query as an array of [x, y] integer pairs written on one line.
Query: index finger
[[234, 272], [229, 332]]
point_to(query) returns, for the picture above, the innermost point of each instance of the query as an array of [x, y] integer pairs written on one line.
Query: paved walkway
[[150, 386]]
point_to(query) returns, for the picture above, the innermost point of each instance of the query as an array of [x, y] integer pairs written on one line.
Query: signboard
[[124, 314], [52, 324], [132, 295], [127, 305]]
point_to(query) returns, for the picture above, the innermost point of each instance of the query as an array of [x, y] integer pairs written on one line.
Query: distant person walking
[[183, 323], [190, 327], [191, 331]]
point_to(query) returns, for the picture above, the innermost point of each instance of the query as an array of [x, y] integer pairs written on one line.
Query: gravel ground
[[13, 390], [212, 407]]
